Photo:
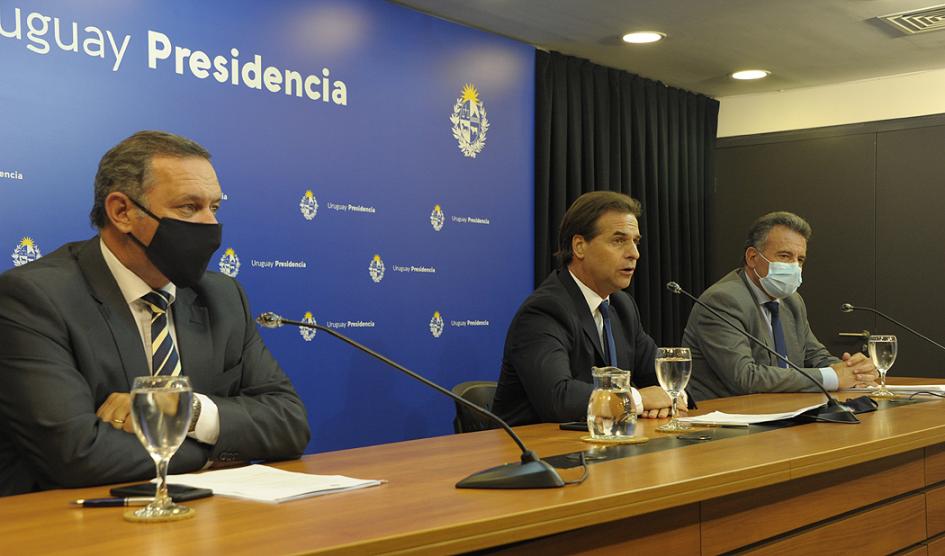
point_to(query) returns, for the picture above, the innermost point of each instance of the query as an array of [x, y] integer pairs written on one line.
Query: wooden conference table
[[872, 488]]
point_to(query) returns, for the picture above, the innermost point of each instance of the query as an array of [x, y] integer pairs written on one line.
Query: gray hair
[[758, 232], [126, 166]]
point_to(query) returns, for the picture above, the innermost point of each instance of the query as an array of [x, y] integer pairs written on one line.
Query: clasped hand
[[657, 403], [855, 370], [116, 411]]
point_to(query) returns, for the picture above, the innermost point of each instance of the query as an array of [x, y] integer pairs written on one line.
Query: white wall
[[884, 98]]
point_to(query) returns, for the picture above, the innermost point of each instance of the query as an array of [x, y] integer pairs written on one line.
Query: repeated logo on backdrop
[[436, 325], [437, 218], [229, 263], [308, 334], [469, 122], [26, 251], [308, 205], [376, 269]]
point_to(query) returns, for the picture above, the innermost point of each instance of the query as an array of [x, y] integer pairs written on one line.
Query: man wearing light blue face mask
[[762, 296]]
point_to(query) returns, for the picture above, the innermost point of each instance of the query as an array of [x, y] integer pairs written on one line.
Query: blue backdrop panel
[[398, 211]]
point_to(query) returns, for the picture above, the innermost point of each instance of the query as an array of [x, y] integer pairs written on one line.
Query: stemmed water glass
[[160, 411], [673, 368], [883, 349]]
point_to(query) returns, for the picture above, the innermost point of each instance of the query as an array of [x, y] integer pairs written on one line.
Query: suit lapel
[[194, 341], [791, 341], [583, 312], [114, 309]]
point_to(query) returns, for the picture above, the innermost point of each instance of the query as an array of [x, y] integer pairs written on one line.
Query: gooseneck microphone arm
[[847, 308], [531, 473], [835, 412], [271, 317]]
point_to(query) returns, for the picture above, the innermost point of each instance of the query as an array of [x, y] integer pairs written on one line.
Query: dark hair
[[125, 167], [759, 230], [581, 218]]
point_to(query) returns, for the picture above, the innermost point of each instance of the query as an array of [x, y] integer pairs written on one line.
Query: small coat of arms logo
[[26, 251], [470, 123], [229, 263], [437, 218], [376, 269], [308, 205], [436, 325], [308, 333]]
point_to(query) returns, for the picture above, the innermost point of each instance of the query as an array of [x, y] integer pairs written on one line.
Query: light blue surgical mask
[[782, 280]]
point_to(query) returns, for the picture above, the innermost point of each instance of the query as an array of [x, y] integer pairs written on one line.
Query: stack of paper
[[268, 484], [743, 420]]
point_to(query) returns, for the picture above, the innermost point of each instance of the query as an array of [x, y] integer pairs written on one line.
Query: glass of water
[[160, 411], [673, 367], [883, 350], [611, 413]]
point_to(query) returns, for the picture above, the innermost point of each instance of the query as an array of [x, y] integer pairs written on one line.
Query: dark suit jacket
[[68, 340], [551, 346], [726, 363]]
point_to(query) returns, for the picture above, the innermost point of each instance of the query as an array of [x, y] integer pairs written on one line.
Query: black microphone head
[[269, 320], [673, 287], [846, 308]]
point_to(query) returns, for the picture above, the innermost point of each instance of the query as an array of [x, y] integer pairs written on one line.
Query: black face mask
[[181, 250]]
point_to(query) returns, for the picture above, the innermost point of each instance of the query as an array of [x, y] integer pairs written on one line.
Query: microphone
[[531, 472], [847, 308], [834, 412]]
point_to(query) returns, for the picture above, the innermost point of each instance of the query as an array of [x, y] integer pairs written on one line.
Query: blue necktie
[[164, 358], [610, 348], [779, 346]]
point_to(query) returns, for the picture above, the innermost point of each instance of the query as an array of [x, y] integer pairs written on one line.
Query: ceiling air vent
[[917, 21]]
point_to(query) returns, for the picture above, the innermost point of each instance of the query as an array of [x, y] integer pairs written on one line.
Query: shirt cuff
[[831, 381], [208, 424], [637, 400]]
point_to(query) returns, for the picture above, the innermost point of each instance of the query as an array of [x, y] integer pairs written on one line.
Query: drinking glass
[[160, 411], [611, 413], [673, 367], [883, 350]]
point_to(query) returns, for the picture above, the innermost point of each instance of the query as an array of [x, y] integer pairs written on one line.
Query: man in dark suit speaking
[[580, 318], [77, 326]]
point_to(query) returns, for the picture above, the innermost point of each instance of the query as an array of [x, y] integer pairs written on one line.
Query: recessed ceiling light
[[750, 74], [643, 37]]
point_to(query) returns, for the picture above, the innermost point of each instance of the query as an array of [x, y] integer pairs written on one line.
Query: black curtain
[[601, 129]]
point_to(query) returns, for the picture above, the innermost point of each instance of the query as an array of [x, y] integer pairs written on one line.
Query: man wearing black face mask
[[78, 325]]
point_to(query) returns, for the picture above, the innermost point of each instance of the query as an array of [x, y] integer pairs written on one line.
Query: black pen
[[111, 502]]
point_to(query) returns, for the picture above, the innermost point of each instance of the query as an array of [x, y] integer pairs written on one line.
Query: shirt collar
[[593, 300], [760, 296], [131, 285]]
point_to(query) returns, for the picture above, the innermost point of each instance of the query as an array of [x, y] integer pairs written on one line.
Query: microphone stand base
[[830, 413], [532, 474]]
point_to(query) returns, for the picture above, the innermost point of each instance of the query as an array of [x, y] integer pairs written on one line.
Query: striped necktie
[[164, 358]]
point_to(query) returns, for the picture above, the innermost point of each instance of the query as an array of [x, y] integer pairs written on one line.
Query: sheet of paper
[[743, 419], [268, 484]]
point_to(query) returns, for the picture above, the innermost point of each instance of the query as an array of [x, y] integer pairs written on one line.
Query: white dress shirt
[[830, 379], [593, 303], [132, 289]]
